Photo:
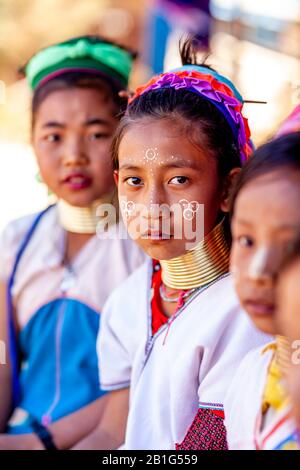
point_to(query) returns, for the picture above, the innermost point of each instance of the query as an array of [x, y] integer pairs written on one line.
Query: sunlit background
[[254, 42]]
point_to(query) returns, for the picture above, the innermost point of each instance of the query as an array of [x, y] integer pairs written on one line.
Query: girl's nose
[[155, 204], [156, 195], [74, 154], [264, 266]]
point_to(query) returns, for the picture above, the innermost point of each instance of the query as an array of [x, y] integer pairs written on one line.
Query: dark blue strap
[[44, 435], [13, 341]]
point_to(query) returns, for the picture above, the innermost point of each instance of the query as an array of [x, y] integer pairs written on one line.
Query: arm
[[73, 428], [115, 360], [110, 433], [5, 370], [65, 432], [109, 413]]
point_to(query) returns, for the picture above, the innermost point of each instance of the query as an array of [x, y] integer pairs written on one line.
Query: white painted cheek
[[258, 264]]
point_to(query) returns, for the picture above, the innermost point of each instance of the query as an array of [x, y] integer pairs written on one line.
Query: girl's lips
[[156, 236], [77, 181], [258, 307]]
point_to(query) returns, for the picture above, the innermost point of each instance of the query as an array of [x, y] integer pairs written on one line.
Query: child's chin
[[79, 199], [264, 323], [163, 250]]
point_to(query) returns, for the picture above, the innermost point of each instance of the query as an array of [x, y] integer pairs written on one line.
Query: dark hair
[[77, 80], [203, 123], [189, 48], [82, 80], [280, 153]]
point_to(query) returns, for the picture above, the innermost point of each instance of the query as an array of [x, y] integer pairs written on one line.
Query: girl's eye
[[134, 181], [52, 138], [178, 180], [245, 241], [98, 136]]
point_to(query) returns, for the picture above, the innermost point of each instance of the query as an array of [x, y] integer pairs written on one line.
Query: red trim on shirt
[[280, 423], [158, 317], [219, 413]]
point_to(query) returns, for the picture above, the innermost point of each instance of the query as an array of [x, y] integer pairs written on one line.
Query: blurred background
[[254, 42]]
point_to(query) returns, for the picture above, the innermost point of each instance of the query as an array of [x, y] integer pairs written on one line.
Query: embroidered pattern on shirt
[[207, 432]]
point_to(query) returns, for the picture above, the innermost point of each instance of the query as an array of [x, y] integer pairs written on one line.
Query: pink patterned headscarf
[[213, 87], [291, 123]]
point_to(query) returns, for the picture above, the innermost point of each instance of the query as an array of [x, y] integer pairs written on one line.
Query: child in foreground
[[265, 224], [174, 333], [289, 321]]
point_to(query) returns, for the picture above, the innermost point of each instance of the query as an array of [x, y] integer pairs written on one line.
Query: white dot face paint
[[258, 264], [189, 208], [151, 159], [127, 208], [151, 154]]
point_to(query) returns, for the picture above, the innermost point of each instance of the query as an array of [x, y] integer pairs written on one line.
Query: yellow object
[[292, 445], [204, 264], [79, 219], [283, 354], [275, 394]]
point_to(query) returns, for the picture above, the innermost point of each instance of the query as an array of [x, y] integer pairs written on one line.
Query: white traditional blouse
[[186, 366], [246, 427], [57, 314]]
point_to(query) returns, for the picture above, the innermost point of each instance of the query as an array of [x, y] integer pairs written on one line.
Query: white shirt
[[100, 266], [188, 363], [246, 430]]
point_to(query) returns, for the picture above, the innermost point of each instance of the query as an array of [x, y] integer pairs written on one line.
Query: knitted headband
[[83, 54]]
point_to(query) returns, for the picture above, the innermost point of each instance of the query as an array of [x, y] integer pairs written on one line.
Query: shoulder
[[121, 246], [229, 333], [16, 229], [219, 305], [127, 305], [249, 374], [243, 399], [10, 242], [256, 360], [15, 232], [222, 298], [135, 287], [123, 327], [220, 293]]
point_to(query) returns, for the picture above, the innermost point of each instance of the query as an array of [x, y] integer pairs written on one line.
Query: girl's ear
[[229, 181], [116, 177]]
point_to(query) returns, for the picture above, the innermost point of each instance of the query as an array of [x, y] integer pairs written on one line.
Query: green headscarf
[[87, 54]]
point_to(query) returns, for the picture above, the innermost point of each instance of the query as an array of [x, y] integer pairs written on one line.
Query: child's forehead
[[157, 153], [153, 157], [269, 206], [148, 131], [159, 147], [76, 103], [280, 186]]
